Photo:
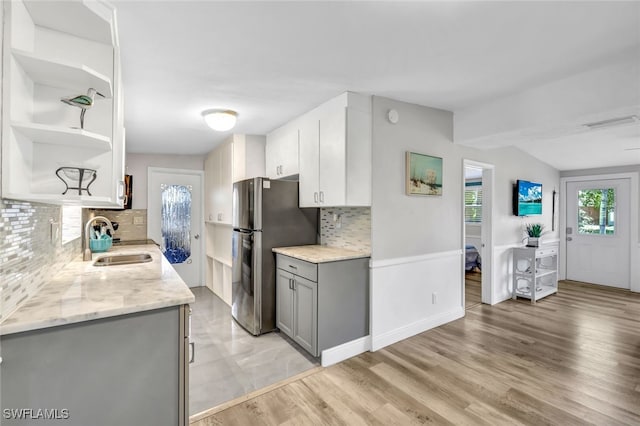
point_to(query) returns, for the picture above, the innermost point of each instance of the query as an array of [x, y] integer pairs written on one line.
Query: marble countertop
[[83, 292], [320, 254]]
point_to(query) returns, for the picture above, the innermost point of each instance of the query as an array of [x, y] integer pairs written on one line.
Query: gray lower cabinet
[[124, 370], [322, 305]]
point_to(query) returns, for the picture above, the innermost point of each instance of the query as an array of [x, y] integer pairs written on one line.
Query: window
[[473, 202], [596, 211]]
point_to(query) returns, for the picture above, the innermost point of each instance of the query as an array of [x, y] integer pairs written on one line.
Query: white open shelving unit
[[535, 272], [48, 54]]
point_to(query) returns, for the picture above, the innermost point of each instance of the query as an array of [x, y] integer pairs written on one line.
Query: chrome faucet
[[86, 255]]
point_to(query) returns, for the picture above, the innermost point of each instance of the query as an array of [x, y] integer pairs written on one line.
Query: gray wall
[[415, 225], [417, 257]]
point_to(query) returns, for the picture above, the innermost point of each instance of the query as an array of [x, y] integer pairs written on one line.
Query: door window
[[176, 223], [597, 211]]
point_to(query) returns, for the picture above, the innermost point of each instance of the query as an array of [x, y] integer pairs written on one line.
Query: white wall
[[557, 108], [417, 240], [137, 165]]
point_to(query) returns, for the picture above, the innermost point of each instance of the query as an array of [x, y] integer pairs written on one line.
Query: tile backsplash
[[27, 255], [132, 224], [348, 227]]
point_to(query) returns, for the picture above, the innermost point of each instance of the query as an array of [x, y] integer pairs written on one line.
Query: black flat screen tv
[[527, 198]]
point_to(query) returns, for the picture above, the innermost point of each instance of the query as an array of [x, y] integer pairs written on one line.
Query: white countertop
[[320, 254], [82, 292]]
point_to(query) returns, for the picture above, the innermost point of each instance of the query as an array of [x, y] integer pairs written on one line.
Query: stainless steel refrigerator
[[265, 215]]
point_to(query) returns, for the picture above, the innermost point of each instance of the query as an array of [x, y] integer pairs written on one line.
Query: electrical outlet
[[55, 231], [434, 298], [138, 220]]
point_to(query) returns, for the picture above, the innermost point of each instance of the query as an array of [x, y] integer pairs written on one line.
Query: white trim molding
[[345, 351], [417, 327], [410, 295], [413, 259]]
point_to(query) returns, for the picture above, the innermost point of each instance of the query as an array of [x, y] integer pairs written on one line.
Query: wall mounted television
[[527, 198]]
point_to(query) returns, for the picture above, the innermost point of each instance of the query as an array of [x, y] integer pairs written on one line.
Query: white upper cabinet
[[239, 157], [55, 50], [248, 156], [281, 151], [335, 153]]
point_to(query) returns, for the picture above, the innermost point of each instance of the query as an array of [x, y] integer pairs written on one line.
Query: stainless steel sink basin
[[123, 259]]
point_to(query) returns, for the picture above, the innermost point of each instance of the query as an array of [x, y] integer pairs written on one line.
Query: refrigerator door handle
[[315, 197]]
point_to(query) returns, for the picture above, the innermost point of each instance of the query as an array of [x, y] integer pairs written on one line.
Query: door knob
[[197, 236]]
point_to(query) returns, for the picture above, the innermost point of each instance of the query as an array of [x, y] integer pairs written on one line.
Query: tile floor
[[229, 362]]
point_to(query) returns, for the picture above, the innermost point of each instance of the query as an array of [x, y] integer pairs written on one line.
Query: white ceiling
[[272, 61]]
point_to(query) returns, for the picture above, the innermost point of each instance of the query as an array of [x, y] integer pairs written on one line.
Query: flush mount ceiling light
[[220, 119]]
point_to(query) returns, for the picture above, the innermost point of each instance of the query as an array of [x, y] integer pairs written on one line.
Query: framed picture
[[424, 174]]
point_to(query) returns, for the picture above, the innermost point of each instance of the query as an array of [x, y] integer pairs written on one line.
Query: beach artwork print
[[424, 174]]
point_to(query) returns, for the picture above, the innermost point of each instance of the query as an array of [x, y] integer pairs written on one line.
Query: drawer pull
[[293, 267]]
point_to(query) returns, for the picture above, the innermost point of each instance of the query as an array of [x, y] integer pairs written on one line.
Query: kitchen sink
[[123, 259]]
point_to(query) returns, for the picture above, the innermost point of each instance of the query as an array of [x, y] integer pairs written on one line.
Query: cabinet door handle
[[315, 197], [193, 352], [121, 191], [322, 196]]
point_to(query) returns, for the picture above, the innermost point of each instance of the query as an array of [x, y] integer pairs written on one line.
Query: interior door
[[598, 232], [174, 219]]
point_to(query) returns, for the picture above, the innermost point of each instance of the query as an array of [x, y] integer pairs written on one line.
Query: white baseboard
[[417, 327], [345, 351]]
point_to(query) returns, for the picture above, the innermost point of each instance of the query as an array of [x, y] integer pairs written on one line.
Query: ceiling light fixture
[[613, 122], [220, 120]]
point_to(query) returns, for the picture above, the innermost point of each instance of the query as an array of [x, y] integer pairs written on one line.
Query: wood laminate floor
[[472, 289], [571, 359], [230, 362]]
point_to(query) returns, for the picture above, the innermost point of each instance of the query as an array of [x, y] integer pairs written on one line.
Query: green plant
[[534, 230]]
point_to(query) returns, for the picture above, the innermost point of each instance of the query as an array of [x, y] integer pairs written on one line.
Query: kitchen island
[[100, 345]]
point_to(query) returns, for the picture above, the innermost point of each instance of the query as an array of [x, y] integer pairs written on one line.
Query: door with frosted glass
[[598, 232], [175, 219]]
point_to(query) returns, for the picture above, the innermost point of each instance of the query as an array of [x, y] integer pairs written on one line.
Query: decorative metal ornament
[[76, 176], [84, 102]]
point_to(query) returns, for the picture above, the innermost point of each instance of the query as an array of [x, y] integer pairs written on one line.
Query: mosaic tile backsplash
[[348, 227], [132, 224], [27, 255]]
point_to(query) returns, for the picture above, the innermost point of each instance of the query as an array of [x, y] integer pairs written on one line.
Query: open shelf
[[54, 135], [75, 77], [534, 267], [541, 291], [90, 20], [225, 262]]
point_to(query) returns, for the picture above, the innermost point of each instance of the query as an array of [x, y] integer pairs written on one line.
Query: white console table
[[535, 272]]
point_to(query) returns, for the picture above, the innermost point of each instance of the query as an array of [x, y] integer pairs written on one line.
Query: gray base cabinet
[[322, 305], [124, 370]]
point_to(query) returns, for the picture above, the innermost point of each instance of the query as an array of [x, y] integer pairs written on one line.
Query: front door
[[174, 219], [598, 232]]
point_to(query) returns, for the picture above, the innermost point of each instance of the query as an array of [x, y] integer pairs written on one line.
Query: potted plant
[[534, 232]]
